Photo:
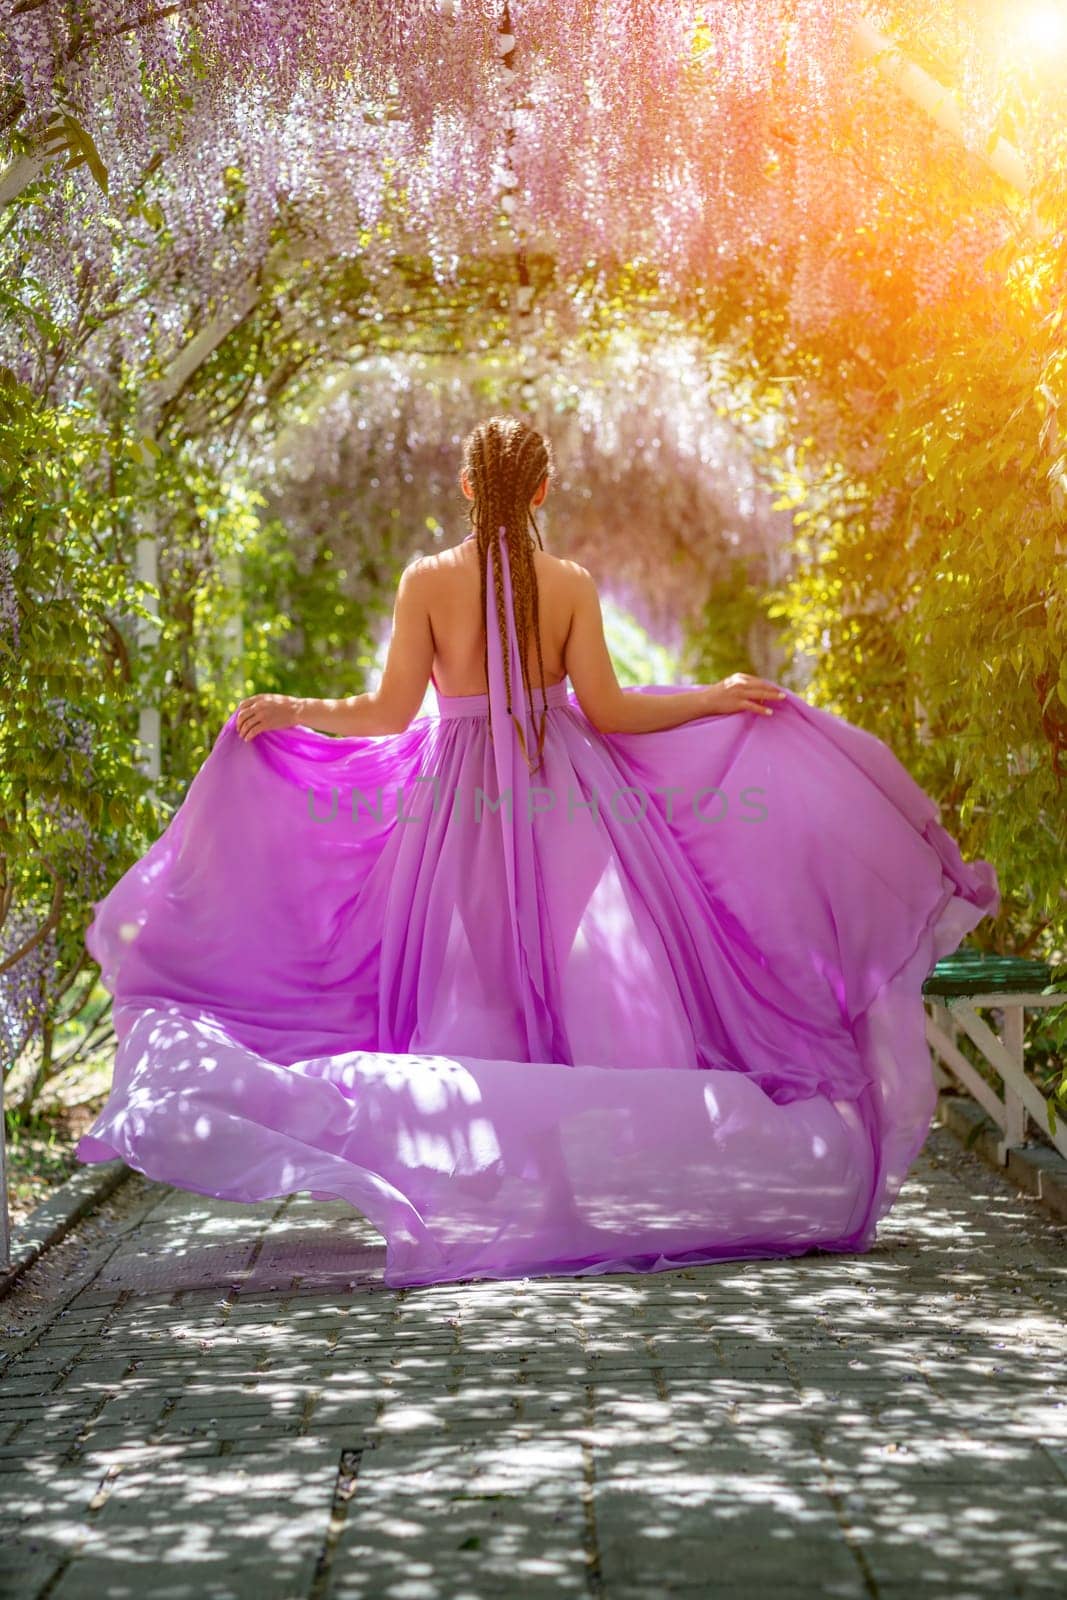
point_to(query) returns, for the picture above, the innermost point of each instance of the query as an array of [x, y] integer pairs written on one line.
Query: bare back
[[439, 635], [453, 598]]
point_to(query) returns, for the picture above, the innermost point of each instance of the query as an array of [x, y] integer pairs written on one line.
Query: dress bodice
[[477, 705]]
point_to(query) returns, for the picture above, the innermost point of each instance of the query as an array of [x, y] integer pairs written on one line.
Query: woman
[[560, 980]]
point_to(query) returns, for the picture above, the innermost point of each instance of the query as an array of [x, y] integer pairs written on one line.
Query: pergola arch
[[207, 316], [61, 136]]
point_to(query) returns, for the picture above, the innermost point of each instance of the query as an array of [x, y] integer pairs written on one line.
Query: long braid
[[494, 515], [483, 473], [505, 460], [530, 464]]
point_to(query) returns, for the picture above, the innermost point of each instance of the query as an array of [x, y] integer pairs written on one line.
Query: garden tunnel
[[836, 228]]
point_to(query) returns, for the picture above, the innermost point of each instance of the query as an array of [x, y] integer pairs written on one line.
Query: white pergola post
[[182, 369], [148, 719], [233, 633]]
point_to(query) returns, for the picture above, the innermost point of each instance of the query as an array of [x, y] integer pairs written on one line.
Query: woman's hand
[[742, 692], [262, 712]]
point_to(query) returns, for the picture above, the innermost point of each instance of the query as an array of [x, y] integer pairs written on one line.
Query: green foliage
[[636, 656], [734, 624], [66, 135], [80, 653], [72, 807], [197, 666], [925, 599], [928, 592]]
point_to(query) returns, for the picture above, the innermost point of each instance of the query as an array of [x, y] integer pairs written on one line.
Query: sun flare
[[1042, 28]]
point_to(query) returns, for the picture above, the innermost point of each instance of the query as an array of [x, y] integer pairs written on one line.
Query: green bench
[[953, 992]]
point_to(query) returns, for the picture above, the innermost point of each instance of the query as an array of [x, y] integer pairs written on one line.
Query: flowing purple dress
[[657, 1002]]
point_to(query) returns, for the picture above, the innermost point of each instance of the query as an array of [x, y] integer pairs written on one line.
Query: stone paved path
[[206, 1400]]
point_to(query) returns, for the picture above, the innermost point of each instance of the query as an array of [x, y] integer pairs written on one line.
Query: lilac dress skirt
[[655, 1002]]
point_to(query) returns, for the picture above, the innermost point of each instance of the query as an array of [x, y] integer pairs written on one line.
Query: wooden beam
[[19, 173], [939, 103], [203, 344]]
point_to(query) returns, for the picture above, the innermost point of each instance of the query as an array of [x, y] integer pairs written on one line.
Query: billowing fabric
[[656, 1001]]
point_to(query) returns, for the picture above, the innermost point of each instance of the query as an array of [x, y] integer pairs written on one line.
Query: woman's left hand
[[262, 712]]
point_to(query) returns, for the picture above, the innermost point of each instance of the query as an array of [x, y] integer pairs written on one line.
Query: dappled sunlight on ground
[[200, 1390]]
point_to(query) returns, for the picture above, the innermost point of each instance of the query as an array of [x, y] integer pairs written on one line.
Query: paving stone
[[1016, 1539], [824, 1425], [470, 1518], [26, 1566], [206, 1527], [696, 1529]]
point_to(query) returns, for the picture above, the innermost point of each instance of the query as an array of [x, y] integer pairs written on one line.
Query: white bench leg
[[1014, 1111], [942, 1017]]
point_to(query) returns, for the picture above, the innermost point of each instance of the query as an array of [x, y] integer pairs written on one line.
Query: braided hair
[[505, 460]]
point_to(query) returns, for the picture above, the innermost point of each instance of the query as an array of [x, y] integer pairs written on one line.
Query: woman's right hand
[[742, 692], [262, 712]]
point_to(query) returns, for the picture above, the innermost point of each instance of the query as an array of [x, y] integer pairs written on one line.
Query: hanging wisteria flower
[[24, 987]]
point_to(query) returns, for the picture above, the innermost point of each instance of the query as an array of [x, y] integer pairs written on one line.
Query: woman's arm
[[387, 709], [611, 710]]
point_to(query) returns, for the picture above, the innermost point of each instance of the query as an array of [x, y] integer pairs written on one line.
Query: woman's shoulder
[[561, 566], [437, 561], [560, 569]]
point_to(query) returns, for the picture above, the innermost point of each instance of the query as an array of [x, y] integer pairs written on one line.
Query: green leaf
[[66, 133]]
